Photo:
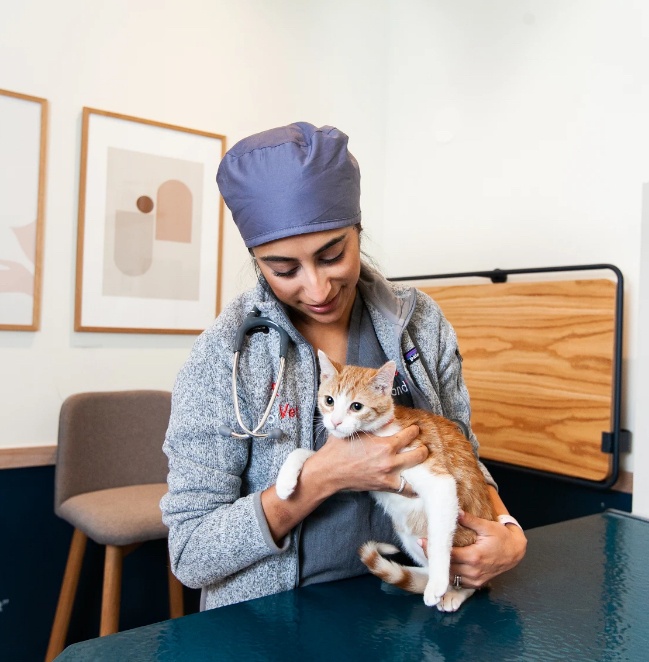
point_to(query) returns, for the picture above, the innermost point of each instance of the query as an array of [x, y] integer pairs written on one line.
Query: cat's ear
[[328, 368], [384, 378]]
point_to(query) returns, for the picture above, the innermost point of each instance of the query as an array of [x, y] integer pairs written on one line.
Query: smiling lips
[[325, 308]]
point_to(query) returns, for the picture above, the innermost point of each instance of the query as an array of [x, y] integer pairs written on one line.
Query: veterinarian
[[294, 194]]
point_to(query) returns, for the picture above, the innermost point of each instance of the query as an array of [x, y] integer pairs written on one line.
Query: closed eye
[[333, 260], [285, 274], [325, 261]]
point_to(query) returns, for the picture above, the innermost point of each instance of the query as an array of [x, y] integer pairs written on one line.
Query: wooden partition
[[538, 362]]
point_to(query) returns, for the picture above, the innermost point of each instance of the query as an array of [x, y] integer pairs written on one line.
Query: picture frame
[[150, 228], [23, 162]]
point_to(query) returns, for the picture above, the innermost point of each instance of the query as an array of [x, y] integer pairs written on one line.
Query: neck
[[389, 420]]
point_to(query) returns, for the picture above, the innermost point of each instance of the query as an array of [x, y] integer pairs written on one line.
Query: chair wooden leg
[[66, 597], [176, 601], [112, 591]]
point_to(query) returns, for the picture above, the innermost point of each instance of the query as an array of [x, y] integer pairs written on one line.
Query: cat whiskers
[[357, 436], [320, 427]]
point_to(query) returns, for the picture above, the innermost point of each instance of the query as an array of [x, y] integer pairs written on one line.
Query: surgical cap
[[289, 181]]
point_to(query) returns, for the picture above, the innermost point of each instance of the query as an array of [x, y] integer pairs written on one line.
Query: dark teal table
[[582, 593]]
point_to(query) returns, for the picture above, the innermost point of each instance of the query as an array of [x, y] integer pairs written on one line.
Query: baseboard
[[27, 456]]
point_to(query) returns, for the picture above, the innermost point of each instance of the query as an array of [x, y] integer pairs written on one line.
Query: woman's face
[[314, 274]]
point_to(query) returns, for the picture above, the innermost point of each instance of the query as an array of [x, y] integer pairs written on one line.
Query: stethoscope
[[253, 323]]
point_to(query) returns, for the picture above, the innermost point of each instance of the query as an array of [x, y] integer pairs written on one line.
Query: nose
[[317, 287]]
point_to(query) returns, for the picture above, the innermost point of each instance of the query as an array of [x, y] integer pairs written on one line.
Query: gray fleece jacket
[[218, 535]]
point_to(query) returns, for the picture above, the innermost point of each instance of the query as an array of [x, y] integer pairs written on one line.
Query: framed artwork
[[23, 147], [149, 236]]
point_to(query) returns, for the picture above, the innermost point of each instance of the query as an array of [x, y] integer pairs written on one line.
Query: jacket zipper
[[298, 528]]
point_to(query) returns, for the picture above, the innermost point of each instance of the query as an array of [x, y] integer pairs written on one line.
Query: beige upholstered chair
[[110, 476]]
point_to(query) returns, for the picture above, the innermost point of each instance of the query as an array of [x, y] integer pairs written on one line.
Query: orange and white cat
[[352, 400]]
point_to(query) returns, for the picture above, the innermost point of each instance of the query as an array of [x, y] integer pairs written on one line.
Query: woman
[[294, 193]]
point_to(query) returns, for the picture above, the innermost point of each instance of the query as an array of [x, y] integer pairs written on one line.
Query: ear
[[328, 368], [384, 378]]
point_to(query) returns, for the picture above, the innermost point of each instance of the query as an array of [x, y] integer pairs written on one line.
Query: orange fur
[[450, 453]]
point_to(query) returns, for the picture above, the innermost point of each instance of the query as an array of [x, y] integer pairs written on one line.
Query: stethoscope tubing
[[235, 399], [255, 322]]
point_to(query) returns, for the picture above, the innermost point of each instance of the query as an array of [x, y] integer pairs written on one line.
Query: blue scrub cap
[[289, 181]]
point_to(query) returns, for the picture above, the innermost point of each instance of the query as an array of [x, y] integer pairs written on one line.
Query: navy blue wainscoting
[[540, 500], [33, 554]]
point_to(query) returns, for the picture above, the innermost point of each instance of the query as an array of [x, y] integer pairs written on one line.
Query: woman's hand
[[368, 462], [365, 463], [498, 548]]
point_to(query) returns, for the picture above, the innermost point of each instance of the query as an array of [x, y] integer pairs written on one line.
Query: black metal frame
[[614, 442]]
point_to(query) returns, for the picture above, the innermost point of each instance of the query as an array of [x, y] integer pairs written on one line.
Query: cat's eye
[[329, 400], [356, 406]]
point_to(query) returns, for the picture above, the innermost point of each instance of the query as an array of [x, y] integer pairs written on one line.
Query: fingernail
[[461, 513]]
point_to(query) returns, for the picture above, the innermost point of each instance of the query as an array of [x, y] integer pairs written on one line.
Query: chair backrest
[[111, 439]]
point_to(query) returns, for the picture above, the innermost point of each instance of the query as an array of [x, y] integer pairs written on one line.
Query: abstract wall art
[[23, 146], [150, 226]]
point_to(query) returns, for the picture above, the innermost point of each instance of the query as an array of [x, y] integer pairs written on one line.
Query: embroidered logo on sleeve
[[411, 356]]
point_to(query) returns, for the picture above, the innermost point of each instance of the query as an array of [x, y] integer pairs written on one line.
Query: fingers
[[406, 436], [463, 556], [378, 462], [483, 527], [471, 521], [410, 454], [408, 490], [413, 457], [404, 488]]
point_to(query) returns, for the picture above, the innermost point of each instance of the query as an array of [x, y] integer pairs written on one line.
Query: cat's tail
[[408, 578]]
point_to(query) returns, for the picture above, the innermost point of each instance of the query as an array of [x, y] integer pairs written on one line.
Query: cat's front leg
[[439, 494], [290, 471]]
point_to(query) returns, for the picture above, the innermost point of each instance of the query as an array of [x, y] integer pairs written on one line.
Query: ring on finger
[[457, 581], [401, 485]]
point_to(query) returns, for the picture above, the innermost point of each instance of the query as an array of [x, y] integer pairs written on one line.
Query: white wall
[[227, 67], [491, 133], [641, 393], [518, 137]]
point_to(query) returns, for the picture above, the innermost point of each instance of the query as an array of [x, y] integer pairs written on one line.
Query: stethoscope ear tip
[[275, 433], [225, 431]]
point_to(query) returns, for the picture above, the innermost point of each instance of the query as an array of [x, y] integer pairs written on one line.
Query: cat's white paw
[[286, 484], [290, 472], [453, 599], [435, 589]]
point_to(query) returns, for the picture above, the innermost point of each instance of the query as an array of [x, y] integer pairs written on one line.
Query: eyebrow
[[322, 249]]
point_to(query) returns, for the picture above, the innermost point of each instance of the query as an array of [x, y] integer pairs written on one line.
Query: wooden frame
[[22, 209], [539, 365], [569, 333], [150, 229]]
